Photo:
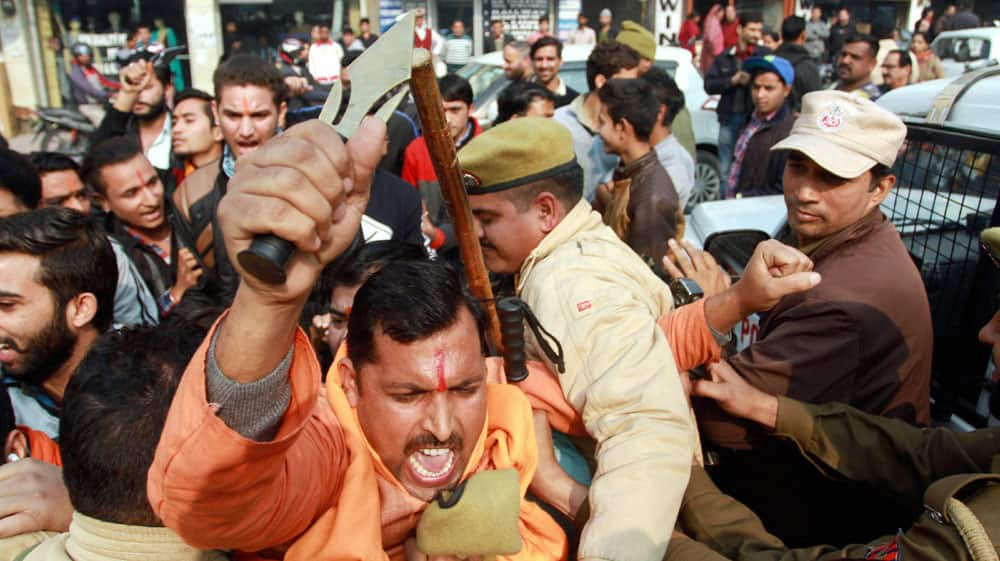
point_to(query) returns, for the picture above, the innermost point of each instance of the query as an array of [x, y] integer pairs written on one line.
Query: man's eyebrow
[[8, 294]]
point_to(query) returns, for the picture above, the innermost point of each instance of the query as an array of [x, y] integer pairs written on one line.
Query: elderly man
[[598, 303], [517, 61], [862, 337], [248, 418]]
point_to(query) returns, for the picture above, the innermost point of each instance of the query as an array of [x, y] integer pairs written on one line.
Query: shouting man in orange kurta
[[252, 458]]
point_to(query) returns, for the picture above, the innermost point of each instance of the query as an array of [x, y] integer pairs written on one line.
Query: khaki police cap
[[991, 240], [845, 134], [639, 38], [519, 151]]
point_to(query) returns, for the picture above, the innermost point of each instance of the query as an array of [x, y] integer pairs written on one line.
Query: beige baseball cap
[[845, 134]]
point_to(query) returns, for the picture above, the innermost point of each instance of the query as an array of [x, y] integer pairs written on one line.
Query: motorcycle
[[63, 130]]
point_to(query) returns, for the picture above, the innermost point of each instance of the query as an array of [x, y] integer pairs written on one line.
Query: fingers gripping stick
[[380, 68]]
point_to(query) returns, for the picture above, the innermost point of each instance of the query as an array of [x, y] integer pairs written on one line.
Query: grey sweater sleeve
[[254, 410]]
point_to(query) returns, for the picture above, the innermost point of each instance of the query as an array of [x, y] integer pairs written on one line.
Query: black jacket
[[806, 72], [762, 170], [734, 100], [837, 35], [118, 123], [316, 96]]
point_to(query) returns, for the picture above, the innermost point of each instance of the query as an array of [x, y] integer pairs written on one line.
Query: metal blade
[[379, 69]]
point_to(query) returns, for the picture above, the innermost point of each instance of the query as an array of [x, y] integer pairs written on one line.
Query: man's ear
[[661, 114], [349, 381], [80, 310], [548, 208], [626, 127], [282, 110], [17, 444], [101, 201], [215, 113], [599, 81], [881, 190]]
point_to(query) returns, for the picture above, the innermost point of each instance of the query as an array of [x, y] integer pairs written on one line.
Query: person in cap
[[726, 78], [641, 205], [642, 41], [955, 474], [270, 464], [756, 170], [600, 302], [862, 337], [604, 22]]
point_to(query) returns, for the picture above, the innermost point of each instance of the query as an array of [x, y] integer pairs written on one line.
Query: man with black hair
[[58, 275], [63, 187], [524, 99], [250, 105], [414, 359], [546, 60], [642, 206], [842, 27], [325, 56], [608, 59], [20, 188], [756, 170], [861, 337], [196, 136], [672, 155], [457, 47], [303, 89], [114, 412], [497, 38], [856, 61], [793, 49], [896, 70], [140, 110], [726, 79], [367, 37], [418, 170], [964, 18], [142, 219]]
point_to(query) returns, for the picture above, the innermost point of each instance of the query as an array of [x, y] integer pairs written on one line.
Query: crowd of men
[[164, 403]]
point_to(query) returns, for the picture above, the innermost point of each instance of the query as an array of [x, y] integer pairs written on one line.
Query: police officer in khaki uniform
[[600, 301], [957, 475]]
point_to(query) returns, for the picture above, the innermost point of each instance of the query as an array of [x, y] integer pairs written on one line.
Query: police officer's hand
[[685, 260], [774, 271], [33, 498], [304, 186], [737, 397]]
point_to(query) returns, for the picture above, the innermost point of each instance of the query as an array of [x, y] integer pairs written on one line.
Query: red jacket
[[418, 170]]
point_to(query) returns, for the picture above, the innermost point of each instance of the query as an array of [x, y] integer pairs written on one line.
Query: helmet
[[80, 49], [291, 49]]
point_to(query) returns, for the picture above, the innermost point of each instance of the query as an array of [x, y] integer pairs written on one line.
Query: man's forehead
[[191, 105], [235, 96], [17, 273]]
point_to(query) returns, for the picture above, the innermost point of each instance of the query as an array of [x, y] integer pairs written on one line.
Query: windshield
[[482, 77]]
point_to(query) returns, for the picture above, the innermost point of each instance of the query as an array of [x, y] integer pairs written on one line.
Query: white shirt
[[585, 36], [160, 150], [679, 165], [324, 61]]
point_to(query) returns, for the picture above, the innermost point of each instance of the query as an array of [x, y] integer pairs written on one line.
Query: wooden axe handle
[[424, 85]]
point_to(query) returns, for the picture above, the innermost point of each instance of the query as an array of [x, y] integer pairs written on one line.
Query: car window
[[482, 77], [963, 49]]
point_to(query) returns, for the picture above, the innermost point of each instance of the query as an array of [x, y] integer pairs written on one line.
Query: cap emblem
[[831, 120]]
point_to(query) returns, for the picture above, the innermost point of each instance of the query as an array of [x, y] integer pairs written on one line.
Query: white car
[[485, 74], [967, 49]]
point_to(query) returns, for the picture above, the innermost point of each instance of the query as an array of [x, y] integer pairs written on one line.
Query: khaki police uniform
[[601, 302]]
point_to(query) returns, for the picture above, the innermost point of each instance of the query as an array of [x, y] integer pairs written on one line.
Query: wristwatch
[[685, 291]]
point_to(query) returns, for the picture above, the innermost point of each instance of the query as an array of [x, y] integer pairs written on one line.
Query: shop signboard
[[568, 10], [520, 17], [388, 12], [669, 17]]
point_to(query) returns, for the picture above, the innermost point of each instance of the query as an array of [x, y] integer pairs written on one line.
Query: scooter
[[63, 130]]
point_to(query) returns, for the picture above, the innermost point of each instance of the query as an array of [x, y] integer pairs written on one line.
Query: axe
[[390, 62]]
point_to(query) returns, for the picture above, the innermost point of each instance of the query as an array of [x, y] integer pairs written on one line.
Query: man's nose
[[438, 420], [246, 126]]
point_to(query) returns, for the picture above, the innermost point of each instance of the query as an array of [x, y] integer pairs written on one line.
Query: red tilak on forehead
[[439, 367], [246, 105], [138, 175]]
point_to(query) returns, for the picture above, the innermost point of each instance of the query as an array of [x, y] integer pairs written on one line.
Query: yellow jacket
[[602, 302]]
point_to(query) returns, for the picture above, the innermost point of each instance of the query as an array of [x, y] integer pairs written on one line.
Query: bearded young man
[[57, 287], [140, 110], [222, 471]]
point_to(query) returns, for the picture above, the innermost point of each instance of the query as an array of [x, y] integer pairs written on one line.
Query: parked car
[[967, 49], [485, 74], [948, 183]]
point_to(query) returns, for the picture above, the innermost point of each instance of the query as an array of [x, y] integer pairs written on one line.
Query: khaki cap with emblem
[[991, 242], [845, 134], [639, 38], [517, 152]]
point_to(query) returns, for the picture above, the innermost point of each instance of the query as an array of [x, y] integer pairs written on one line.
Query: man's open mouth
[[432, 465]]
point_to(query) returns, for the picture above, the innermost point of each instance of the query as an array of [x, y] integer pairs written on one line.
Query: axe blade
[[380, 68]]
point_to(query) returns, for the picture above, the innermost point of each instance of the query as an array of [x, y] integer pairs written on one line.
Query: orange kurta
[[318, 485]]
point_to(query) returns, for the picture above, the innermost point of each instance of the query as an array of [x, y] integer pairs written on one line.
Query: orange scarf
[[378, 515]]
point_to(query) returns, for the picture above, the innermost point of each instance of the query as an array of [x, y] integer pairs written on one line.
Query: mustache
[[10, 343], [428, 440]]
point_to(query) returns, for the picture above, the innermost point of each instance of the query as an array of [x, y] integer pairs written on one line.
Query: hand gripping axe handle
[[380, 68]]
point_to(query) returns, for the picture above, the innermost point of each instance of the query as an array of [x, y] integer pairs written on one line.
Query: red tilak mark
[[246, 106], [439, 367], [138, 176]]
